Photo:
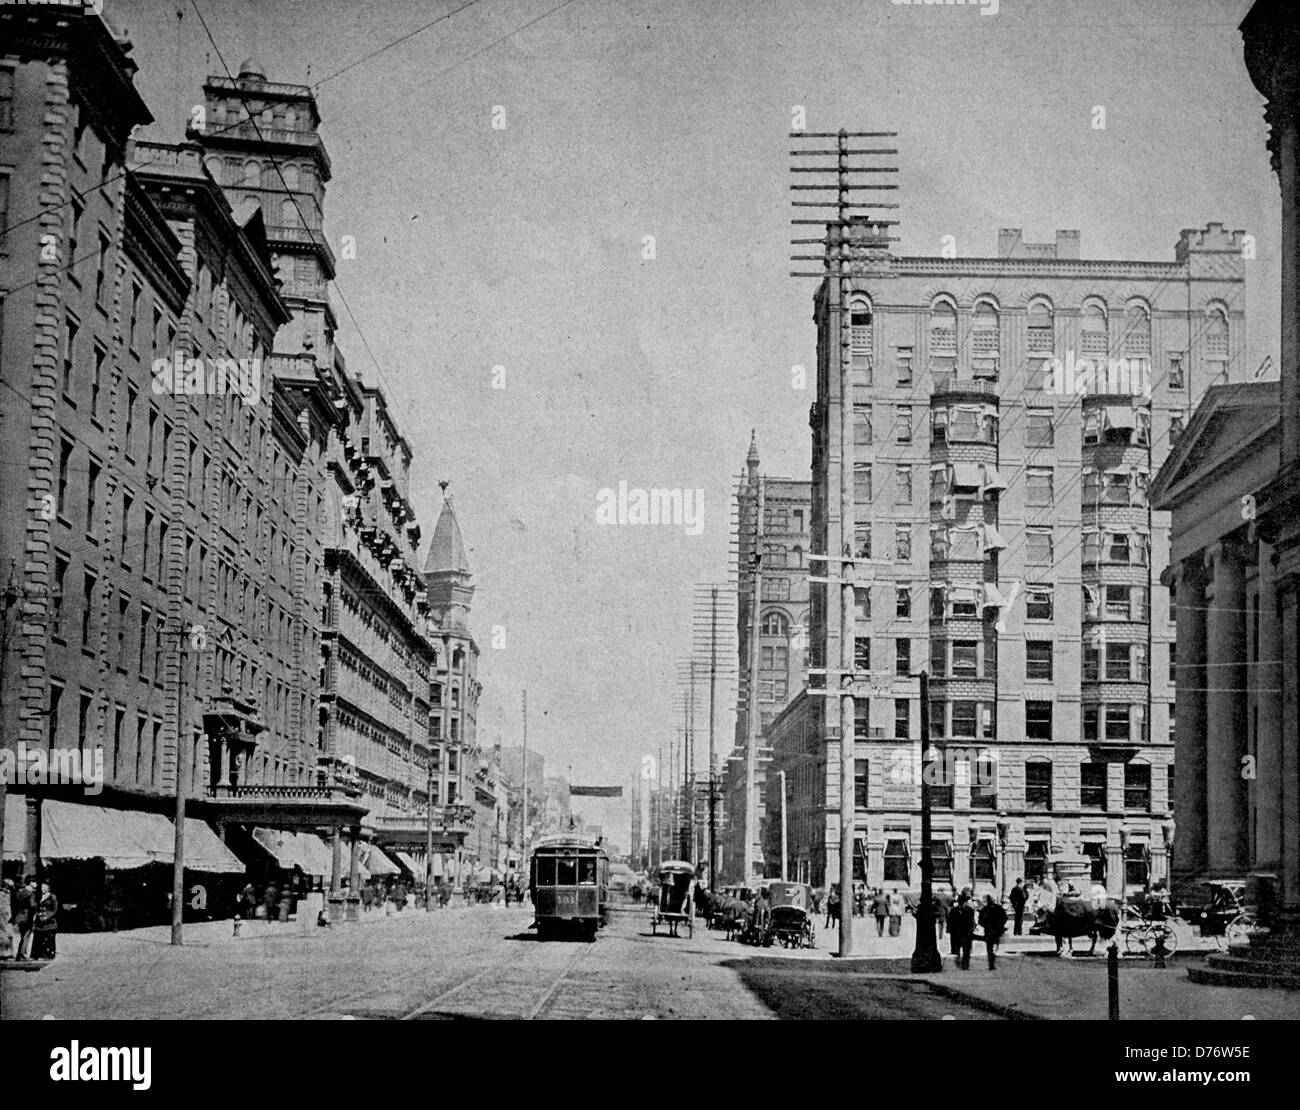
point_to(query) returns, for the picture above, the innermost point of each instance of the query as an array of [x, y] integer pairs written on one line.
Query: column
[[1115, 858], [336, 875], [1267, 677], [1289, 591], [1190, 739], [354, 876], [223, 763], [1225, 709]]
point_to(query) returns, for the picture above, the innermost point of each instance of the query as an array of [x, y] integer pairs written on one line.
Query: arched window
[[213, 165], [796, 556], [860, 327], [288, 213], [290, 172], [943, 330], [985, 341], [1137, 331], [253, 174], [1042, 336], [290, 119], [774, 624], [1093, 341], [1216, 344]]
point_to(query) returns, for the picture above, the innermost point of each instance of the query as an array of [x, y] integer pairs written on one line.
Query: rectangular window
[[1036, 859], [861, 775], [903, 423], [965, 718], [1175, 376], [964, 659], [6, 122], [1118, 602], [1091, 717], [1173, 664], [902, 601], [1039, 431], [69, 358], [52, 714], [143, 645], [1038, 785], [862, 541], [862, 484], [1137, 786], [902, 485], [123, 618], [129, 421], [903, 719], [903, 543], [87, 606], [938, 658], [902, 656], [1038, 603], [1038, 659], [1116, 547], [862, 425], [56, 598], [984, 785], [1119, 723], [92, 495], [862, 653], [97, 379], [1038, 720], [862, 602], [1119, 662], [1038, 546], [1038, 487], [1092, 785], [861, 719], [898, 864], [101, 271], [1091, 663], [904, 365], [146, 538]]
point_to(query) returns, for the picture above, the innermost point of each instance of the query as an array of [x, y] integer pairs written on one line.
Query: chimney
[[1008, 241], [1067, 245]]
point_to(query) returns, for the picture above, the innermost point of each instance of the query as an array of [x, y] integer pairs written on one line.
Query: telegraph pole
[[840, 264], [523, 825], [713, 778]]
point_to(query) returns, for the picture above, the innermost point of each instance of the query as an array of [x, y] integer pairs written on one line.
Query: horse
[[1075, 918]]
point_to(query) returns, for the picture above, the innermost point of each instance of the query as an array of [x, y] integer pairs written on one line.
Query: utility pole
[[713, 777], [926, 959], [523, 825], [752, 731], [428, 840], [785, 843], [840, 265], [183, 772]]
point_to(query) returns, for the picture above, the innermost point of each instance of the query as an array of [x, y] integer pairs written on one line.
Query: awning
[[414, 868], [205, 852], [993, 596], [122, 838], [374, 861], [1120, 416], [993, 540], [966, 475], [302, 850], [992, 479]]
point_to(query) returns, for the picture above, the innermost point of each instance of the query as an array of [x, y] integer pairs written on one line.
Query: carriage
[[1225, 915], [676, 903], [791, 917]]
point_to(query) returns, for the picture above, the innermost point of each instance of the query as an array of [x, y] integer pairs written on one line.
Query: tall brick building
[[1004, 541]]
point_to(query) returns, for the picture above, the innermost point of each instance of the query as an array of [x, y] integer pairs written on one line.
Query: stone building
[[783, 537], [1233, 487], [1008, 413]]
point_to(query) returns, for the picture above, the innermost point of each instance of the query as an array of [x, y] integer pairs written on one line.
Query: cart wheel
[[1238, 930], [1134, 940]]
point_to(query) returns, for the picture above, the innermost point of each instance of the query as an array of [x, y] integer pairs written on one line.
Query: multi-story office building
[[782, 536], [1003, 540], [163, 553]]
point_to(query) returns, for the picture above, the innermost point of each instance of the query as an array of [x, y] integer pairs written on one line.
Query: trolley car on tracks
[[568, 879]]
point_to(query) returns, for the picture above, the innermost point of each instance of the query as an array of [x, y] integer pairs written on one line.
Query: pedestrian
[[6, 917], [23, 916], [896, 907], [1017, 897], [248, 901], [833, 906], [993, 920], [859, 900], [943, 905], [880, 910], [46, 925], [961, 928]]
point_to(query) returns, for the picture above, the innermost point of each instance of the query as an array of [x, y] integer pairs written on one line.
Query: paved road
[[471, 963]]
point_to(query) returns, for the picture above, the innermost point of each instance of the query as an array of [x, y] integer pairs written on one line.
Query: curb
[[1009, 1011]]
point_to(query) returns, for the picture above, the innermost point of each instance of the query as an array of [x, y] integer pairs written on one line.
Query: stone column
[[1190, 738], [1289, 592], [223, 763], [1225, 710], [1267, 677], [876, 862], [960, 862], [354, 876], [1114, 868], [336, 875]]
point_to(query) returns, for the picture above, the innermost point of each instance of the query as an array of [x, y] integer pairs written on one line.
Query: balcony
[[302, 236], [943, 383]]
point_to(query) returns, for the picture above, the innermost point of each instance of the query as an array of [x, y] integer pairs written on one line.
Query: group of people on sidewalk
[[30, 912]]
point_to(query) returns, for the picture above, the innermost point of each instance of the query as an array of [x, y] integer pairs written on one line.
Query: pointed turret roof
[[447, 551], [752, 457]]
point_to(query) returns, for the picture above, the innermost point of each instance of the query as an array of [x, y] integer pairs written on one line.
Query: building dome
[[251, 70]]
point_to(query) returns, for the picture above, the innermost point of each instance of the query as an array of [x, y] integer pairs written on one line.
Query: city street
[[471, 962], [482, 962]]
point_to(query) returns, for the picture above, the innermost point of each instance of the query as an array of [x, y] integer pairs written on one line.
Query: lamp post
[[1002, 829], [785, 843], [925, 958], [428, 840]]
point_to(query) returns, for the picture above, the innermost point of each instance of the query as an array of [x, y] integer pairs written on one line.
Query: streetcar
[[569, 882]]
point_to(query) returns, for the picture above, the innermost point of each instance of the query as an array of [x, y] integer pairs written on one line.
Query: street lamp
[[1004, 826], [925, 958]]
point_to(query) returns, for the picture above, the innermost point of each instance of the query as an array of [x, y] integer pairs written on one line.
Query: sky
[[518, 256]]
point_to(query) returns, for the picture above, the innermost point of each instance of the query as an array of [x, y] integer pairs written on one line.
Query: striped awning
[[375, 862]]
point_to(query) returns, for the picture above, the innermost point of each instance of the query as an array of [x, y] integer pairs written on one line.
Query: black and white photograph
[[651, 510]]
